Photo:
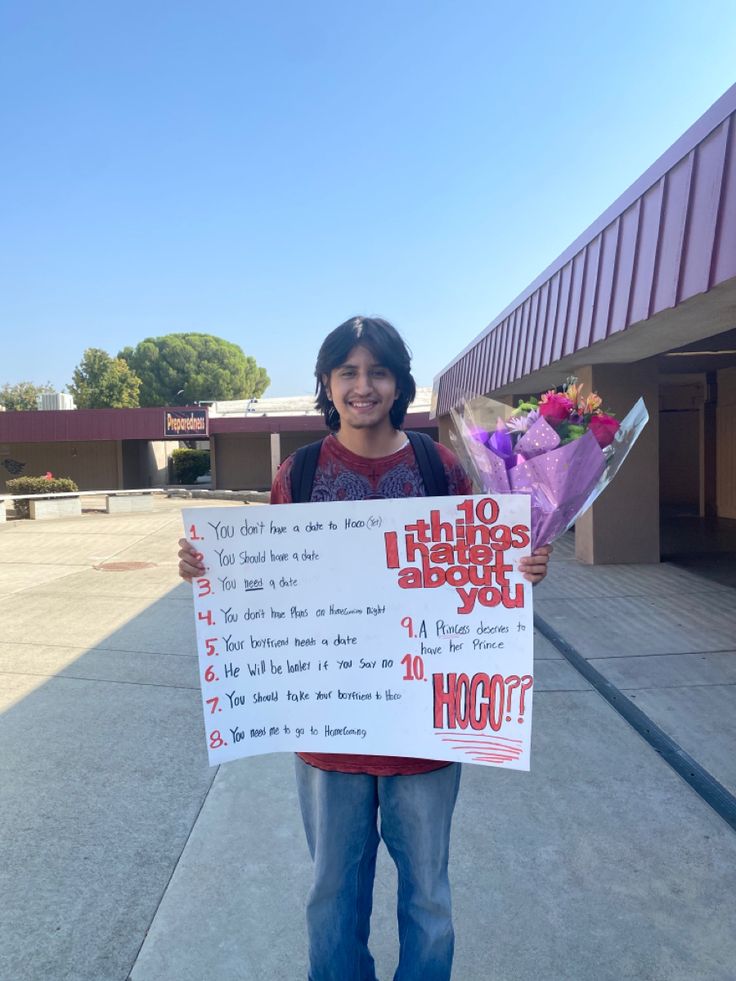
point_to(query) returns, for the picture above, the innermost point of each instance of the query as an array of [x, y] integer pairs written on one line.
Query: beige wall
[[445, 424], [243, 461], [726, 444], [623, 524], [292, 441], [92, 465], [158, 453]]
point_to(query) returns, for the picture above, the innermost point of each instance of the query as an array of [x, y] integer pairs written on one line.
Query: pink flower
[[604, 428], [48, 475], [555, 408]]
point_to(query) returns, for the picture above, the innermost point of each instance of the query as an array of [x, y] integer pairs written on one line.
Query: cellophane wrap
[[562, 481]]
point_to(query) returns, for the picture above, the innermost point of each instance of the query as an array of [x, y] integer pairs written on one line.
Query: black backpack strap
[[430, 464], [303, 470]]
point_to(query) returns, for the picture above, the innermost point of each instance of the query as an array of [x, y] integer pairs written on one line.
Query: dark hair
[[387, 347]]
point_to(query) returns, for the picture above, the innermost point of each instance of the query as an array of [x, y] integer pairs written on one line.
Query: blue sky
[[263, 171]]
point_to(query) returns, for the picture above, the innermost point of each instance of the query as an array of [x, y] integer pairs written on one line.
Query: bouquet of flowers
[[561, 449]]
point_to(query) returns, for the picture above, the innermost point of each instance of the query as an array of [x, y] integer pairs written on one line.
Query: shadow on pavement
[[103, 774]]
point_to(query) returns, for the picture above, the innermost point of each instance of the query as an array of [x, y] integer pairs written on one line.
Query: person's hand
[[190, 561], [534, 567]]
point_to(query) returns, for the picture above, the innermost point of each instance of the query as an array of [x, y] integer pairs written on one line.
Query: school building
[[643, 303], [123, 449]]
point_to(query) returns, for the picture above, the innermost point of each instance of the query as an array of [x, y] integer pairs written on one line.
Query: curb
[[696, 776], [246, 497]]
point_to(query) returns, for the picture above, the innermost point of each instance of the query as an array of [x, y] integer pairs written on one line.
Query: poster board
[[381, 627]]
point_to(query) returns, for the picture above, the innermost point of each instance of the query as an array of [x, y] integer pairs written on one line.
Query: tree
[[23, 396], [102, 382], [180, 368]]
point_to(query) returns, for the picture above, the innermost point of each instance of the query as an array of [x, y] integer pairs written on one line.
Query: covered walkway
[[643, 303]]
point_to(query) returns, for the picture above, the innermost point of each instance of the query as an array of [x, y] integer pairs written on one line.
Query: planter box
[[128, 503], [55, 507]]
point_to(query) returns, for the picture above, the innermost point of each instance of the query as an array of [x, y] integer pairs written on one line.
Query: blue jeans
[[340, 819]]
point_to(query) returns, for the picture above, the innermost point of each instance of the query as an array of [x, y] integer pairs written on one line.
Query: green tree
[[185, 368], [22, 396], [102, 382]]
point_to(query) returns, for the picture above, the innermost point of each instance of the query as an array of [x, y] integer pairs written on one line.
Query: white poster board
[[382, 627]]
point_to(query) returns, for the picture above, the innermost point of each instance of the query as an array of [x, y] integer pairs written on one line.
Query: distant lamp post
[[178, 396]]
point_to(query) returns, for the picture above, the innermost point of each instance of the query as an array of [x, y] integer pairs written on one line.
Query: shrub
[[189, 464], [37, 485]]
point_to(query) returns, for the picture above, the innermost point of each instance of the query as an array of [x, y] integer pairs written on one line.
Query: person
[[364, 387]]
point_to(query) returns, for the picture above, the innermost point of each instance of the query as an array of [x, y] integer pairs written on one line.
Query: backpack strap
[[430, 464], [303, 470], [428, 459]]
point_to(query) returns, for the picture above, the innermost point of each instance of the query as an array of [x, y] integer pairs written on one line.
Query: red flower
[[555, 407], [48, 475], [604, 428]]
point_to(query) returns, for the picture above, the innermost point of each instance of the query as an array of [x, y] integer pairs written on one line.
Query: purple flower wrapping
[[559, 482], [489, 468], [500, 443], [539, 438], [562, 481], [479, 435]]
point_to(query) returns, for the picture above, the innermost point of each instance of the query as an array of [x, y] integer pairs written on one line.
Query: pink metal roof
[[267, 424], [79, 425], [671, 235]]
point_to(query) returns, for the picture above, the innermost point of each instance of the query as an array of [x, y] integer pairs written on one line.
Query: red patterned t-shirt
[[344, 476]]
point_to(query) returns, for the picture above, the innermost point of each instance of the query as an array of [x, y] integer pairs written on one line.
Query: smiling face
[[362, 390]]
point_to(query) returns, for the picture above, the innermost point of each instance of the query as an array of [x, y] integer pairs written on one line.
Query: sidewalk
[[665, 637], [123, 854]]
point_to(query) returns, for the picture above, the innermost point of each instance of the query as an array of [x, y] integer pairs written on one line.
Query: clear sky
[[262, 171]]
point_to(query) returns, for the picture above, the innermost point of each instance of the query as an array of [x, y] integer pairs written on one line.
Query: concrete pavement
[[124, 855], [665, 637]]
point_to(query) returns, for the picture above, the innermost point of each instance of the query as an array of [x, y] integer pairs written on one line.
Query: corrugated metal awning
[[669, 237]]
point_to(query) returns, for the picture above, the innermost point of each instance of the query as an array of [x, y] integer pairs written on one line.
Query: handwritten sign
[[382, 627]]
